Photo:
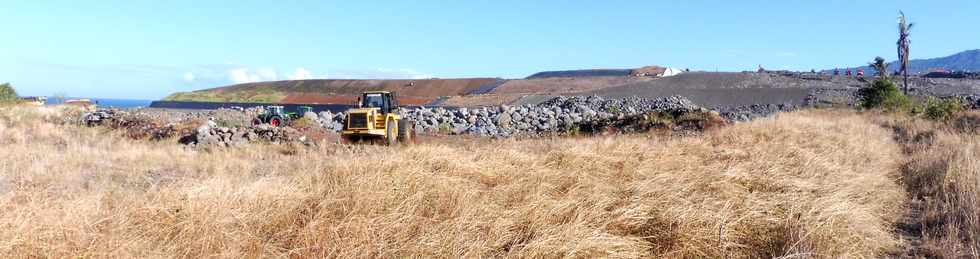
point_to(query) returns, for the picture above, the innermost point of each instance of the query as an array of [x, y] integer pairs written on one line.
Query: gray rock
[[503, 120]]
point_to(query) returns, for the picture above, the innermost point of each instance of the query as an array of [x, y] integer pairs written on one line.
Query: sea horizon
[[109, 102]]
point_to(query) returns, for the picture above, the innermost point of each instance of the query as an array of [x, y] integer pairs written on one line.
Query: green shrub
[[942, 109], [883, 94], [8, 94], [445, 128]]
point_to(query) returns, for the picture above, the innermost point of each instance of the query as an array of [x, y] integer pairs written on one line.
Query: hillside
[[411, 92], [964, 61], [712, 89], [581, 73]]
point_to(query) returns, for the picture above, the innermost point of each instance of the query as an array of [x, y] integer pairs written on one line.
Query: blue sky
[[148, 49]]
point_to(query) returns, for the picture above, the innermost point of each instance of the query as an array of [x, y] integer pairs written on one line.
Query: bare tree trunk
[[906, 81], [903, 48]]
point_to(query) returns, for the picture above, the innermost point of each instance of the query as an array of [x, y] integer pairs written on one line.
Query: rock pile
[[330, 121], [210, 134], [139, 125], [134, 126], [560, 114], [973, 101], [751, 112], [98, 117]]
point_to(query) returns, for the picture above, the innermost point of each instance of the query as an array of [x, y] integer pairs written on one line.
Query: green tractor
[[277, 116]]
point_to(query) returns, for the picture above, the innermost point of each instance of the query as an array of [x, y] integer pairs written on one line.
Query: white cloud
[[267, 73], [246, 75], [241, 75], [300, 74], [189, 77]]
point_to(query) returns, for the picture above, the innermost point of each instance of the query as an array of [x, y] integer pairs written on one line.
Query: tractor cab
[[303, 110], [273, 109], [385, 101], [276, 115]]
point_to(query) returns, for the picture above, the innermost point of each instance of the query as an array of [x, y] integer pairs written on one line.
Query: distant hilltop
[[723, 89], [643, 71], [968, 61], [581, 73], [335, 91], [416, 92]]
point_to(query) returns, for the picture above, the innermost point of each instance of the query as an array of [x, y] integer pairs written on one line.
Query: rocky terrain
[[556, 115], [735, 95], [560, 115]]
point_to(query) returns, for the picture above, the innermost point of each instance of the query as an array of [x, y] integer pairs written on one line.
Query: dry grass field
[[942, 176], [803, 184]]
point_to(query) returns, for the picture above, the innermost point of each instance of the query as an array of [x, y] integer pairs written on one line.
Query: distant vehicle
[[277, 116], [35, 100]]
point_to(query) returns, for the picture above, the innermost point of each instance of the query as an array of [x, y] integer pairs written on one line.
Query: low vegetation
[[811, 183], [8, 94], [942, 172], [883, 94], [261, 95], [942, 176]]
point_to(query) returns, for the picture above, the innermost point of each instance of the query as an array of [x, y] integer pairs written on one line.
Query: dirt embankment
[[712, 89], [726, 90]]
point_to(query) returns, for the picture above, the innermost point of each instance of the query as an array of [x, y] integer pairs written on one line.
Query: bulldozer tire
[[276, 121], [405, 130], [391, 136]]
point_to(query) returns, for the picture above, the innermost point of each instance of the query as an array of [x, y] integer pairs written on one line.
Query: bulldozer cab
[[385, 101]]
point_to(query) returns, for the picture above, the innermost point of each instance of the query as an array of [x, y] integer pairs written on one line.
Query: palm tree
[[903, 47], [880, 67]]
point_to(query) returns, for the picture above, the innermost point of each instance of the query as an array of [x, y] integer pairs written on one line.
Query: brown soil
[[313, 98], [563, 85], [406, 87], [706, 88]]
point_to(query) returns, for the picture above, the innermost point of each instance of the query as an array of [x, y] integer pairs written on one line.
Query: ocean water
[[122, 103], [114, 103]]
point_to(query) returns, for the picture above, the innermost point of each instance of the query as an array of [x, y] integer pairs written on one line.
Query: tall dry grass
[[943, 174], [805, 184]]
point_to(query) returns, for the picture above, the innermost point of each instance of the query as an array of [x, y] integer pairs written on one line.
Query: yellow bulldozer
[[376, 118]]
